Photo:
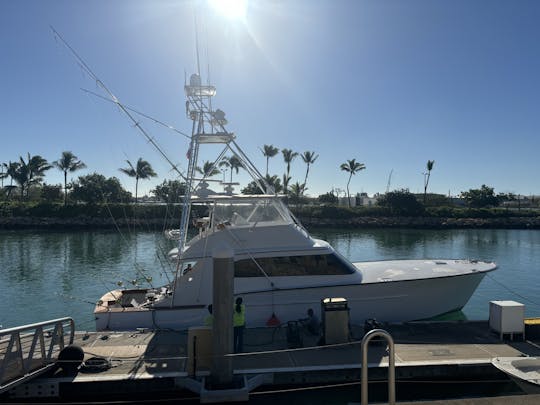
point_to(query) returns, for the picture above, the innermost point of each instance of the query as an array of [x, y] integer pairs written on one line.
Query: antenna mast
[[389, 180]]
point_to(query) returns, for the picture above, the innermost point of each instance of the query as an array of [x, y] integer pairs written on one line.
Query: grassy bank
[[156, 216]]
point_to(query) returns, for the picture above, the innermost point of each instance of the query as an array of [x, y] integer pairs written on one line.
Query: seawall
[[359, 222]]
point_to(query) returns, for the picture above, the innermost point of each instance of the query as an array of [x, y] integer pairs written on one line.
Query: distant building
[[364, 200], [359, 200], [521, 201], [344, 201]]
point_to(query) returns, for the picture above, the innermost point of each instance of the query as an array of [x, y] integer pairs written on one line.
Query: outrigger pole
[[115, 100]]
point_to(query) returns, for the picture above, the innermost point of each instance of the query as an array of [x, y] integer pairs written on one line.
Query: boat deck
[[157, 360]]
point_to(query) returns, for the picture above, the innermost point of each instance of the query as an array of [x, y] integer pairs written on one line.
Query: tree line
[[27, 174]]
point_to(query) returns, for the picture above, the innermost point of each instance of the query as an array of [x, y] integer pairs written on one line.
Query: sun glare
[[233, 9]]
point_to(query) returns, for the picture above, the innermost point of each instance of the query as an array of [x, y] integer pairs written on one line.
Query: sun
[[232, 9]]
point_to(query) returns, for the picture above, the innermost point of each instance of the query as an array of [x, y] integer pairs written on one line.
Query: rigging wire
[[512, 291], [161, 259], [155, 120], [136, 265], [71, 297], [82, 64], [157, 254]]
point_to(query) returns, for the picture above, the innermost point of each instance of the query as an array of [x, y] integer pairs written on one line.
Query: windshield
[[251, 212]]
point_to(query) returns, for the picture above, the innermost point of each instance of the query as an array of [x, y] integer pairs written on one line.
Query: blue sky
[[390, 83]]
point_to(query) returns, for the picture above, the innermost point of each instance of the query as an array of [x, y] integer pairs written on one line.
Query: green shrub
[[401, 203]]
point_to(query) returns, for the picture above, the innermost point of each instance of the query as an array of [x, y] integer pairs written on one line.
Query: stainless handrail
[[391, 365], [27, 351]]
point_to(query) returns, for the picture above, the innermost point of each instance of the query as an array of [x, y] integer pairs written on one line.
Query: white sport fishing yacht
[[280, 270]]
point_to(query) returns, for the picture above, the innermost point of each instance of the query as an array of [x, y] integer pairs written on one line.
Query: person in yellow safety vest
[[209, 320], [239, 324]]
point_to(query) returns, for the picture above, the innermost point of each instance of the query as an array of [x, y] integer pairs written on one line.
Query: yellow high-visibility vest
[[239, 318]]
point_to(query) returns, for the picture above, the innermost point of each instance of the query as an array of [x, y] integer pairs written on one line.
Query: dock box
[[507, 317], [199, 349], [335, 320]]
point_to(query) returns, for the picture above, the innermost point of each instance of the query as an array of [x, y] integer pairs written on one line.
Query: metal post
[[391, 365], [222, 334]]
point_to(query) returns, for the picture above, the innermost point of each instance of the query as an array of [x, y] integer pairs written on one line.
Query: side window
[[314, 265], [336, 265], [188, 267], [248, 268]]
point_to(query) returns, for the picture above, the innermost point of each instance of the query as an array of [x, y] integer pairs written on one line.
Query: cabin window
[[188, 267], [313, 265]]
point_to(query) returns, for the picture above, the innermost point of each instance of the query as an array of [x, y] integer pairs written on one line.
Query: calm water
[[45, 275]]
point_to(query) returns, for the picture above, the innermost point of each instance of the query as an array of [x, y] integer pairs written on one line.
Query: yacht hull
[[387, 301]]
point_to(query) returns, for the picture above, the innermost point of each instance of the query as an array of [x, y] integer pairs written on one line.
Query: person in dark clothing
[[311, 323]]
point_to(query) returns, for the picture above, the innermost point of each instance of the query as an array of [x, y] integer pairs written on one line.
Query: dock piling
[[222, 335]]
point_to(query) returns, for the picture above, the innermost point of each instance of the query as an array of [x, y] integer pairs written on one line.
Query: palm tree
[[21, 175], [429, 166], [209, 169], [38, 166], [28, 173], [231, 162], [286, 179], [297, 190], [269, 151], [143, 170], [351, 167], [273, 181], [11, 169], [309, 158], [11, 172], [68, 163], [288, 157]]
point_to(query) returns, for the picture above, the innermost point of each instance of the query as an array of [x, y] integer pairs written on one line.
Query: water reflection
[[381, 244], [52, 274]]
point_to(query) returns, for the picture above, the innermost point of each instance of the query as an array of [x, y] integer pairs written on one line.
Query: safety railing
[[29, 350], [391, 365]]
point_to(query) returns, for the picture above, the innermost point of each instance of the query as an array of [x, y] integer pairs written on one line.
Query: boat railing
[[391, 365], [29, 350]]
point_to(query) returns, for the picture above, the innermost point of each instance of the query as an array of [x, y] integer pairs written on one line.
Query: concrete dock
[[155, 363]]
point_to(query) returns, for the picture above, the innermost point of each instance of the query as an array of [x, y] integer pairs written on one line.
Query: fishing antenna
[[197, 44], [115, 100]]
